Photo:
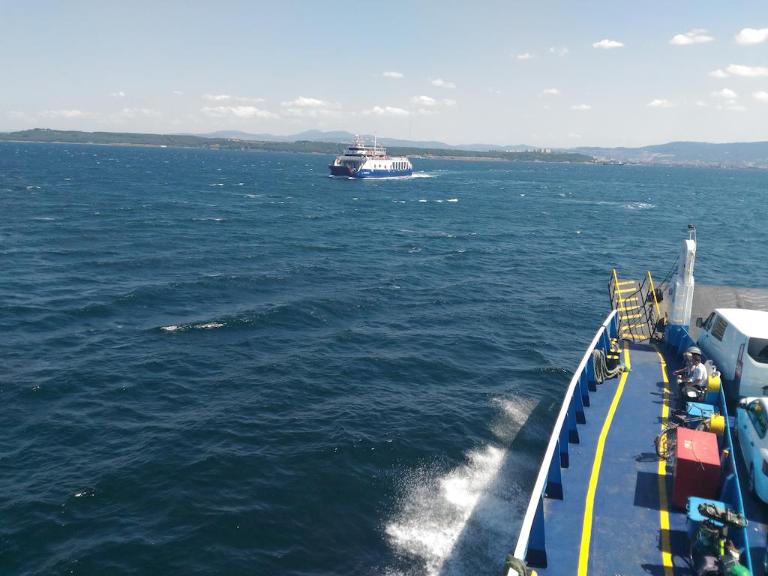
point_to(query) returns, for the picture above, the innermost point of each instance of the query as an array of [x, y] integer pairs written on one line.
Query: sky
[[541, 73]]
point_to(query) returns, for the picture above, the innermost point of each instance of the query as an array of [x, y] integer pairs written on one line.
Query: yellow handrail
[[618, 292], [653, 291]]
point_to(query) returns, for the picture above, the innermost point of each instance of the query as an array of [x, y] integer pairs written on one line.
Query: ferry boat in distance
[[361, 161]]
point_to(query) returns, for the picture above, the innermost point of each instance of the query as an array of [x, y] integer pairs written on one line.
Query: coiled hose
[[602, 372]]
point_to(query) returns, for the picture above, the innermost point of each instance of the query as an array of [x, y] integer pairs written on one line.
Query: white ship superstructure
[[361, 161]]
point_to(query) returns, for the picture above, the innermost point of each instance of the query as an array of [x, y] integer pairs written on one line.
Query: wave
[[639, 206], [193, 326], [468, 508]]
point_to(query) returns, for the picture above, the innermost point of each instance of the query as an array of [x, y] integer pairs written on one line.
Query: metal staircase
[[637, 306]]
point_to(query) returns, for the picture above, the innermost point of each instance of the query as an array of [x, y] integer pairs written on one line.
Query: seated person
[[685, 371], [697, 373]]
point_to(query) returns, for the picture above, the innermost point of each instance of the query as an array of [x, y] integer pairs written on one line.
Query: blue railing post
[[573, 430], [562, 444], [536, 554], [554, 488], [590, 371], [583, 394]]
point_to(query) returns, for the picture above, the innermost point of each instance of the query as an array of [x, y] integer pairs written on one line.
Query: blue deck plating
[[601, 503]]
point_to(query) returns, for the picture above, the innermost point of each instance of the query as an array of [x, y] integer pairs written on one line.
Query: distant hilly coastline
[[726, 155], [297, 146], [347, 137], [735, 155]]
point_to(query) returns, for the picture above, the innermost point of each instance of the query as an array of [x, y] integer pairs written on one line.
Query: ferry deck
[[602, 502]]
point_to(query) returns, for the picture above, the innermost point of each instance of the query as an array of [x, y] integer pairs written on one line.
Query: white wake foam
[[209, 325], [436, 509], [639, 206], [471, 506], [192, 326]]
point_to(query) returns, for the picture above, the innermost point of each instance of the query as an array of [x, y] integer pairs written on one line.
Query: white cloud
[[178, 93], [660, 103], [237, 112], [424, 100], [719, 73], [574, 135], [304, 102], [217, 97], [18, 115], [524, 56], [305, 107], [695, 36], [731, 106], [392, 75], [761, 96], [139, 112], [118, 94], [581, 107], [747, 71], [62, 114], [558, 50], [427, 106], [725, 94], [248, 99], [701, 104], [752, 36], [550, 92], [607, 44], [440, 83], [391, 111]]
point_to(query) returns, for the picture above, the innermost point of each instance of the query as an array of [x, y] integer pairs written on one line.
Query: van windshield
[[758, 350]]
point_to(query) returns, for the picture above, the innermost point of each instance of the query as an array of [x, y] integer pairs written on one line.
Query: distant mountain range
[[342, 137], [298, 146], [735, 154], [738, 154]]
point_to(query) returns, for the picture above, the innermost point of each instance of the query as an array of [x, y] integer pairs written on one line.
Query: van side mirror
[[743, 403], [699, 322]]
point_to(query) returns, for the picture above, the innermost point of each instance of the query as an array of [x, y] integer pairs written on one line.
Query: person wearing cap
[[685, 371], [697, 374]]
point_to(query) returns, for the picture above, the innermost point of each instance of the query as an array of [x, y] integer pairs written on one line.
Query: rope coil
[[602, 372]]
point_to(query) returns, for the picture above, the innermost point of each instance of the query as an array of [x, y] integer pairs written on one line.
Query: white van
[[736, 340]]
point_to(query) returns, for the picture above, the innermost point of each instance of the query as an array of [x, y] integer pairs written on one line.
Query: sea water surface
[[219, 362]]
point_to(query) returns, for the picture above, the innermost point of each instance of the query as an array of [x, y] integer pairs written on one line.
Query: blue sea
[[220, 362]]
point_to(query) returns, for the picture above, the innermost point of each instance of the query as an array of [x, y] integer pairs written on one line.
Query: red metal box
[[697, 466]]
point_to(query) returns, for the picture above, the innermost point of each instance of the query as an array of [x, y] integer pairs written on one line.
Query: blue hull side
[[382, 173]]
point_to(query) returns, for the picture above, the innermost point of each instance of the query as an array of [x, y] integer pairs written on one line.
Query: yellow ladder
[[628, 298]]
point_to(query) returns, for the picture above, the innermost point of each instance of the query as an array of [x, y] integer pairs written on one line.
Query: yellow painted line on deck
[[586, 529], [625, 290], [629, 316], [666, 548]]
